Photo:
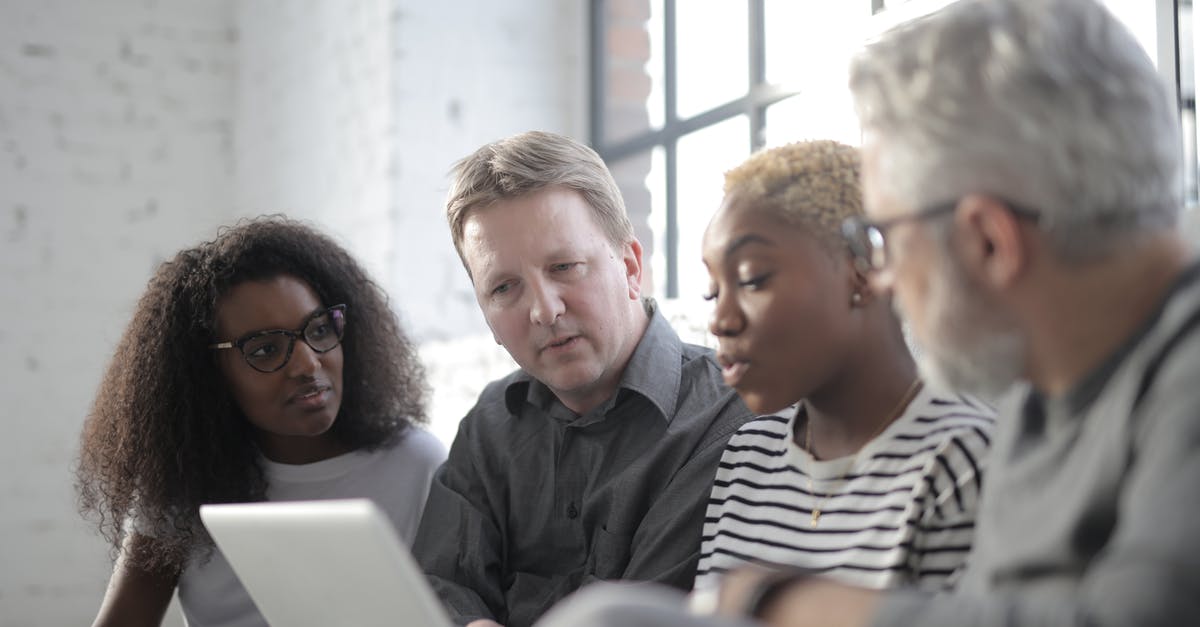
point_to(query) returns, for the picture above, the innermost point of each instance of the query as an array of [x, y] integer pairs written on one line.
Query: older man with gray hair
[[1022, 174]]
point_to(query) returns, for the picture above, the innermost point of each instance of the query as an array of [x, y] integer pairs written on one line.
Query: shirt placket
[[569, 483]]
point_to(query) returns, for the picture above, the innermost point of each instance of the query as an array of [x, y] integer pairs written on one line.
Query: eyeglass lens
[[876, 251], [270, 351], [866, 243]]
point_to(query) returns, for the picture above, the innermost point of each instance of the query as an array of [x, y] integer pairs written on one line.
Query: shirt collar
[[653, 371]]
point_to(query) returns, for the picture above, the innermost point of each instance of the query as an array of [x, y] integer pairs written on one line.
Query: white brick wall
[[510, 67], [132, 128], [114, 147], [313, 118]]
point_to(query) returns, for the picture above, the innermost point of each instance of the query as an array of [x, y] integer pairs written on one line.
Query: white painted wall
[[468, 73], [115, 126], [132, 128], [313, 115]]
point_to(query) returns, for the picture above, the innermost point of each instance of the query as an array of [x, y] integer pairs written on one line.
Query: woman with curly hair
[[262, 365]]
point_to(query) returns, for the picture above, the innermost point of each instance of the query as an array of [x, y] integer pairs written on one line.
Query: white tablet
[[320, 563]]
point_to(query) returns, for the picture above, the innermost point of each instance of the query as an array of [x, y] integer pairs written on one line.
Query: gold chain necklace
[[905, 399]]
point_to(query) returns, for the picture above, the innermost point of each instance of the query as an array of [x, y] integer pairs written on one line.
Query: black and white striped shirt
[[901, 511]]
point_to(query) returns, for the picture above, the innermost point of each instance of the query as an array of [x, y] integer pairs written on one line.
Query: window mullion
[[670, 118], [598, 97], [757, 58]]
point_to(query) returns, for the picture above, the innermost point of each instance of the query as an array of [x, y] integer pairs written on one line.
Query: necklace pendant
[[816, 517]]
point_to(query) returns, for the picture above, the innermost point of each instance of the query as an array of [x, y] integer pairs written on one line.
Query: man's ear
[[989, 240], [632, 257]]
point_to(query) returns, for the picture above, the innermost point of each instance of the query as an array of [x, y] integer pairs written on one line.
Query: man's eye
[[562, 267], [502, 288]]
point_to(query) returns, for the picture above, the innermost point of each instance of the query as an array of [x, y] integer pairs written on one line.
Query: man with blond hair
[[593, 461]]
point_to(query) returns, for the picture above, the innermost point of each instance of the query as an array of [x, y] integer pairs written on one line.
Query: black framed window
[[682, 90]]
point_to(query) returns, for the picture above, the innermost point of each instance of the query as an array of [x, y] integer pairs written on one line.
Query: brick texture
[[132, 128]]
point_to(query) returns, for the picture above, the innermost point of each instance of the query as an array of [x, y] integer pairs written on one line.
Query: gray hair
[[529, 162], [1049, 104]]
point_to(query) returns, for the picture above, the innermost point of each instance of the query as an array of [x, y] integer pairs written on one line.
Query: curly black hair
[[164, 434]]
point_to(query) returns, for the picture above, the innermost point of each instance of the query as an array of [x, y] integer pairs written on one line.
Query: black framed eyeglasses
[[868, 239], [268, 351]]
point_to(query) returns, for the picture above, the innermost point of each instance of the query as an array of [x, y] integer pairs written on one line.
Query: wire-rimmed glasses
[[868, 239]]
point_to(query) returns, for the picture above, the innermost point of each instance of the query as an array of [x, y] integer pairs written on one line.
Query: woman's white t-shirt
[[396, 478]]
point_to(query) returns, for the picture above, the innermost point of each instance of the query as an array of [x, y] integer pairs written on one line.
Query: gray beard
[[976, 350], [986, 368]]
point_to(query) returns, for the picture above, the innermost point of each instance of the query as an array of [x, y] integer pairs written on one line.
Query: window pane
[[889, 13], [655, 67], [811, 41], [827, 113], [703, 159], [808, 48], [1139, 16], [633, 68], [712, 58]]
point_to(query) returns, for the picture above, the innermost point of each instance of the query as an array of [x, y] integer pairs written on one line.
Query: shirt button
[[572, 511]]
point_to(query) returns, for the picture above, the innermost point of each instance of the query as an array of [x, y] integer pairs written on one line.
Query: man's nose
[[547, 304]]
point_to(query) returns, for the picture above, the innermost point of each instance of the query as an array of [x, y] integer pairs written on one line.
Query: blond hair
[[527, 163], [813, 185]]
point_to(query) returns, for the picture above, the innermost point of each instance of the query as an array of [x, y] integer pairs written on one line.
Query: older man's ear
[[989, 238]]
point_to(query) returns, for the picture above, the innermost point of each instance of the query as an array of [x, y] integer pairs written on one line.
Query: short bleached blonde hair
[[812, 185]]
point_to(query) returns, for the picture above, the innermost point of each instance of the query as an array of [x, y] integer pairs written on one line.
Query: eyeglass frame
[[292, 336], [856, 230]]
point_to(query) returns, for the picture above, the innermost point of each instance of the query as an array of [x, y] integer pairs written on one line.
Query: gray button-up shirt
[[536, 501]]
